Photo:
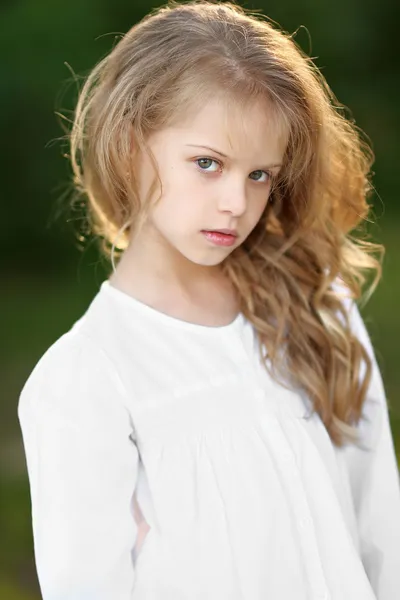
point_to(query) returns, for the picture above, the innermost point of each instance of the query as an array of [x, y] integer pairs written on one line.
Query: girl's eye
[[212, 160], [199, 160], [267, 173]]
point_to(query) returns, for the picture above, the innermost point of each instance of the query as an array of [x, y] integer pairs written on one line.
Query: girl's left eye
[[212, 160]]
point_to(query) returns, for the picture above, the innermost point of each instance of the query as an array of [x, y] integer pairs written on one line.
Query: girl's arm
[[82, 467], [374, 478]]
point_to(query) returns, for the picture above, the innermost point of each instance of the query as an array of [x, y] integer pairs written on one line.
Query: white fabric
[[244, 493]]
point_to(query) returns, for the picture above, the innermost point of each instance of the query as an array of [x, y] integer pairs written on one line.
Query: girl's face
[[203, 190]]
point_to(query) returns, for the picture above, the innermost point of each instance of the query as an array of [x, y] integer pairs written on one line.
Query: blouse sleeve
[[375, 483], [82, 466]]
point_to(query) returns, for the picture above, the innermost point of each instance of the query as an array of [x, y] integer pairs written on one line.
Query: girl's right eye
[[210, 160]]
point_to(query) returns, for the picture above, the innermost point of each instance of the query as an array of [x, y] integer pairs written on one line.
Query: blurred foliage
[[47, 48]]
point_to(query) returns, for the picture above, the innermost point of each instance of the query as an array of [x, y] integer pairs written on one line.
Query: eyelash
[[270, 175]]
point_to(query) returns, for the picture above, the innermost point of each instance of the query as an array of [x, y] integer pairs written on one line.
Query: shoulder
[[356, 321], [375, 406], [74, 381]]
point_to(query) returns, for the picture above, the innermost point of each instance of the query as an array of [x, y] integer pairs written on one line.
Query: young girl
[[215, 427]]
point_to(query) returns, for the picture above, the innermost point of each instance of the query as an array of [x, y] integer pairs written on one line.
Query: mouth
[[218, 238], [232, 232]]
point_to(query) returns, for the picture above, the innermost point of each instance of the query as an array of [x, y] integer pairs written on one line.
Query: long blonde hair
[[176, 58]]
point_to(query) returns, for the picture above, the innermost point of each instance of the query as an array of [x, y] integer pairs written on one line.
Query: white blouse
[[244, 494]]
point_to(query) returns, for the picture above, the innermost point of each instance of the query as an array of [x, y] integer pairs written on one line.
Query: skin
[[171, 265]]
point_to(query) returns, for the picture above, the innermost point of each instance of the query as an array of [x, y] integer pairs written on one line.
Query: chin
[[212, 262]]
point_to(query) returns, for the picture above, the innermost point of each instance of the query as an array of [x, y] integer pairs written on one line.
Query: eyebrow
[[224, 155]]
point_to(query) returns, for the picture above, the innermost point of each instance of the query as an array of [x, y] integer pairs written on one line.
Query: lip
[[218, 238], [226, 231]]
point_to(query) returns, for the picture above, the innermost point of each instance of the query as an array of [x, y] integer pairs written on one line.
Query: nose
[[233, 198]]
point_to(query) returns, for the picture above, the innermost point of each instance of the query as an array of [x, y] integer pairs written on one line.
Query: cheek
[[178, 208], [258, 207]]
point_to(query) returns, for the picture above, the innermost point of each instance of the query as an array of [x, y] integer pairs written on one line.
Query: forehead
[[237, 126]]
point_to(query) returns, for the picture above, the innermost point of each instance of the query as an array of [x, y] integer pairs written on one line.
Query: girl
[[215, 425]]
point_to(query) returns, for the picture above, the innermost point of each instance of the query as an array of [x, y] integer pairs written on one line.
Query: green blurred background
[[49, 277]]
